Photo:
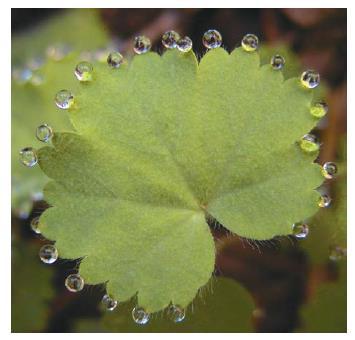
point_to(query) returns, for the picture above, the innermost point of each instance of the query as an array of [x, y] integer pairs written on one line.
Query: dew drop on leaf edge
[[28, 157], [142, 44], [84, 71], [170, 39], [140, 316], [212, 39], [310, 79], [300, 230], [74, 283], [309, 143], [35, 225], [184, 44], [324, 201], [329, 170], [115, 59], [64, 99], [44, 133], [48, 254], [319, 109], [250, 42], [176, 313], [109, 303], [277, 62]]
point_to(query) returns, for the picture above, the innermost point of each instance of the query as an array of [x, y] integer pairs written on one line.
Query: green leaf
[[162, 142]]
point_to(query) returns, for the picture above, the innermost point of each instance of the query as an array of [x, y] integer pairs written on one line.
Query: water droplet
[[277, 62], [37, 79], [84, 71], [28, 157], [319, 109], [336, 253], [250, 42], [300, 230], [64, 99], [329, 170], [176, 313], [74, 283], [48, 253], [212, 39], [115, 59], [324, 201], [34, 225], [140, 316], [44, 133], [310, 79], [142, 44], [58, 51], [109, 302], [309, 143], [184, 44], [170, 39]]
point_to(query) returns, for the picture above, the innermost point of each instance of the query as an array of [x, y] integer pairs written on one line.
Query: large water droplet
[[309, 143], [74, 283], [115, 59], [28, 157], [184, 44], [212, 39], [142, 44], [250, 42], [48, 253], [300, 230], [35, 224], [176, 313], [64, 99], [319, 109], [310, 79], [140, 316], [84, 71], [336, 253], [329, 170], [324, 201], [109, 303], [44, 133], [277, 62], [58, 51], [170, 39]]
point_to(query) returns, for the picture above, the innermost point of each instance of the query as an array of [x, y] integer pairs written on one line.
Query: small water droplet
[[44, 133], [324, 201], [250, 42], [74, 283], [58, 51], [142, 44], [115, 59], [184, 44], [336, 253], [319, 109], [212, 39], [277, 62], [300, 230], [28, 157], [329, 170], [34, 225], [84, 71], [48, 253], [176, 313], [64, 99], [140, 316], [170, 39], [310, 79], [309, 143], [109, 303]]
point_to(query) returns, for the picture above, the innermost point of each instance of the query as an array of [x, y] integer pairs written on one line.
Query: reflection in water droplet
[[184, 44], [310, 79], [34, 225], [142, 44], [64, 99], [300, 230], [170, 39], [84, 71], [44, 133], [115, 59], [140, 316], [212, 39], [329, 170], [336, 253], [319, 109], [176, 313], [58, 51], [74, 283], [309, 143], [109, 303], [28, 157], [48, 254], [277, 62], [324, 201], [250, 42]]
